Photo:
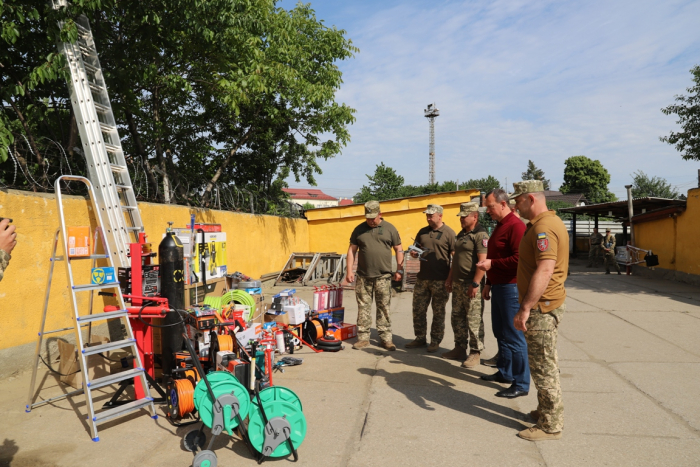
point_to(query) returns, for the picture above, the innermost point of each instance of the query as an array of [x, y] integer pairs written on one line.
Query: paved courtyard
[[630, 370]]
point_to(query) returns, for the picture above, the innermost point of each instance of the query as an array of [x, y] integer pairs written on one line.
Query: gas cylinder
[[172, 286]]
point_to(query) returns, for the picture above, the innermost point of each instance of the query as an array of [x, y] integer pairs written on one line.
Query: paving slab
[[679, 329]]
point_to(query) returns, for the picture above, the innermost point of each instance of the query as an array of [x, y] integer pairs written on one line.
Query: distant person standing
[[501, 268], [544, 261], [609, 252], [8, 241], [464, 282], [438, 241], [372, 242], [594, 242]]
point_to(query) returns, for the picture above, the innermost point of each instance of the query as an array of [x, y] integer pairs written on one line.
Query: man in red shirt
[[501, 266]]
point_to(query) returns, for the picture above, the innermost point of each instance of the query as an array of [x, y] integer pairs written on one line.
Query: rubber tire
[[325, 341], [204, 456], [329, 349], [188, 440]]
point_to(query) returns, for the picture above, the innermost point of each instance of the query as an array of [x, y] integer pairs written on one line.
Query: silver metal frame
[[138, 373]]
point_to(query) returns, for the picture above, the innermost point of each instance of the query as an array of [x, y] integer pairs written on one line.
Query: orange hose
[[225, 342], [185, 396]]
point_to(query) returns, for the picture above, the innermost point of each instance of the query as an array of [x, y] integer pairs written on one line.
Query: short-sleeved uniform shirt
[[467, 246], [441, 243], [609, 242], [596, 238], [374, 248], [545, 238]]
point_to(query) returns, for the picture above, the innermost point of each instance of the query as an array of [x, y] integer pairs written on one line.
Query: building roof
[[571, 198], [307, 193], [346, 202], [619, 209]]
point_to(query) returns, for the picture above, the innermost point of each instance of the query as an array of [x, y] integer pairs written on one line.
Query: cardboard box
[[295, 313], [78, 241], [69, 364], [195, 293], [343, 331], [282, 318]]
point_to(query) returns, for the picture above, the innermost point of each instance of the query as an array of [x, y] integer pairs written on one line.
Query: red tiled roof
[[346, 202], [306, 193]]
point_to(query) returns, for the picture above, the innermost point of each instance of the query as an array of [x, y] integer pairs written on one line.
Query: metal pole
[[630, 208], [573, 231]]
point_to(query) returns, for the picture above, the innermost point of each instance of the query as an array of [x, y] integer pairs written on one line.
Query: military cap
[[511, 202], [433, 208], [467, 208], [527, 186], [608, 229], [371, 209]]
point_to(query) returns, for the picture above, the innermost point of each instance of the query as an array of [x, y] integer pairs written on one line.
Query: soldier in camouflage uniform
[[594, 250], [465, 283], [437, 240], [544, 253], [7, 244], [609, 251], [372, 242]]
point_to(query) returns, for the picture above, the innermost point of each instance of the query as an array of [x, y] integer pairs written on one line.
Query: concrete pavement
[[630, 371]]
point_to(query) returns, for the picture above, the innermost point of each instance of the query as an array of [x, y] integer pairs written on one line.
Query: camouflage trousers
[[610, 260], [379, 289], [4, 261], [425, 292], [593, 255], [541, 336], [467, 317]]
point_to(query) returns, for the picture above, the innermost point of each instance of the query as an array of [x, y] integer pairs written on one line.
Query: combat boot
[[473, 360], [417, 342], [360, 345], [459, 353], [535, 414], [387, 345], [433, 347], [535, 434]]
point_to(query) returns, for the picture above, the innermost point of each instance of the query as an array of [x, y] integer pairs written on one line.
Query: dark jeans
[[512, 347]]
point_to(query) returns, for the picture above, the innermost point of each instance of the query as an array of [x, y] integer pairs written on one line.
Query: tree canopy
[[644, 186], [214, 99], [533, 173], [587, 176], [385, 184], [687, 141]]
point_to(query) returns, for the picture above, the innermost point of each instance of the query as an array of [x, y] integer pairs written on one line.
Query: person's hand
[[520, 319], [414, 254], [350, 277], [448, 285], [398, 276], [486, 292], [484, 265], [8, 237], [473, 291]]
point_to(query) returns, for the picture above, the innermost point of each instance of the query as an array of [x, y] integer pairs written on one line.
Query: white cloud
[[514, 80]]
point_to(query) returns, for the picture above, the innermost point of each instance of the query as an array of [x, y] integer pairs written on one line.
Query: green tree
[[533, 173], [557, 205], [587, 176], [384, 184], [208, 96], [687, 108], [644, 186], [308, 206], [484, 184]]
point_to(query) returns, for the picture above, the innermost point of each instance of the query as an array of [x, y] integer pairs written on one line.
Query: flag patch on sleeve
[[541, 235]]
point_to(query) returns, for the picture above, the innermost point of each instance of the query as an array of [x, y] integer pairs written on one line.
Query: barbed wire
[[36, 177]]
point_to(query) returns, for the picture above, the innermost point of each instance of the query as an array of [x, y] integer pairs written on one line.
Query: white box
[[295, 313]]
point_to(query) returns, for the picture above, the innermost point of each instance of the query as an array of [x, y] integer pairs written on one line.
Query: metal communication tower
[[431, 113]]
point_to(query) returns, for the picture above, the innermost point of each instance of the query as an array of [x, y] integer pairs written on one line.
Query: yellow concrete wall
[[330, 228], [674, 240], [255, 245]]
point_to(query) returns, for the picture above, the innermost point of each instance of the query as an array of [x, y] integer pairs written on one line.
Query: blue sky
[[514, 80]]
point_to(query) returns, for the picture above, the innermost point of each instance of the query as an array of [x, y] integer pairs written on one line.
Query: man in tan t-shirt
[[372, 242], [542, 268], [438, 241]]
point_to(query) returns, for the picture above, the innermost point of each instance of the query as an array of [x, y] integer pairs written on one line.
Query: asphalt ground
[[630, 372]]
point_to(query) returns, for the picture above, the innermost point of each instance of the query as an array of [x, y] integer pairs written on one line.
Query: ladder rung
[[115, 378], [87, 287], [103, 316], [117, 168], [61, 330], [95, 349], [100, 107], [62, 258], [107, 128], [112, 148], [129, 208], [96, 87], [91, 68], [122, 410], [123, 187], [135, 229]]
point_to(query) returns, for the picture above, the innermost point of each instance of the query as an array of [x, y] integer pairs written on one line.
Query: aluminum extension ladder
[[137, 373], [107, 169]]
